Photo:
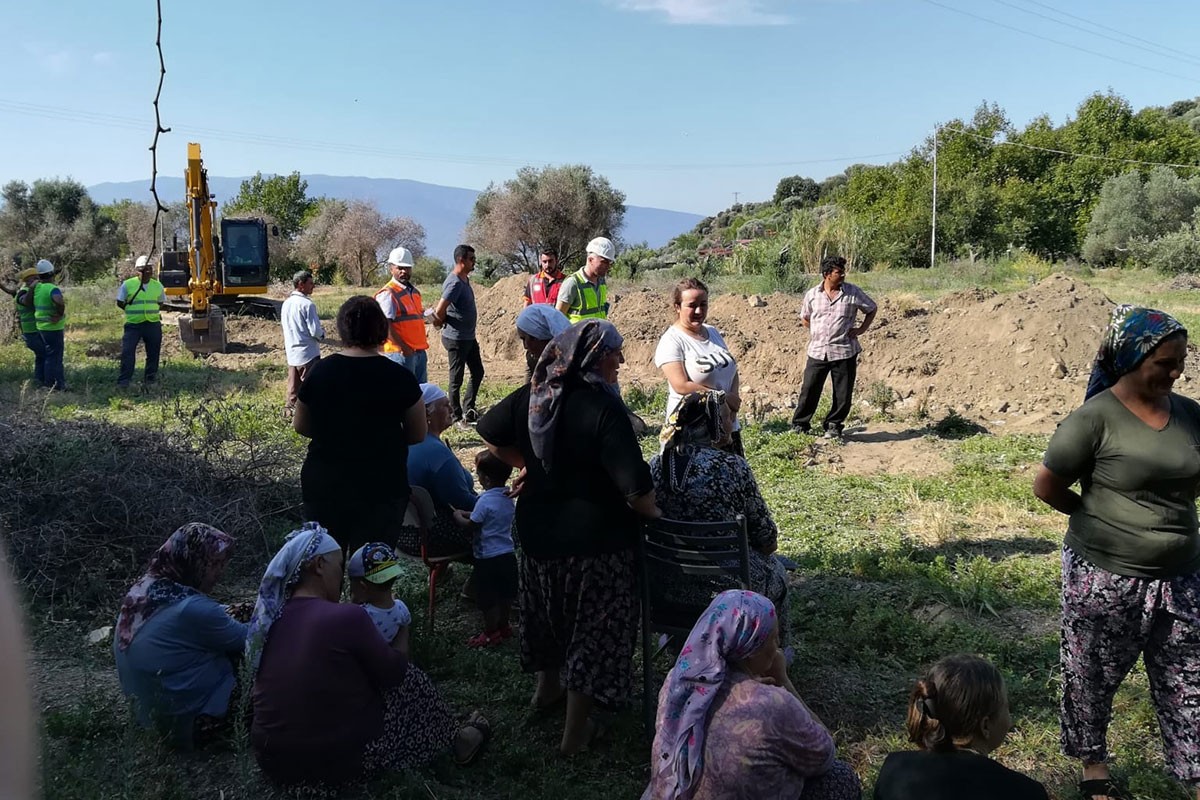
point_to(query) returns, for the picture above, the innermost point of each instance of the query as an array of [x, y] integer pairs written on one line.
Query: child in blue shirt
[[495, 563], [373, 569]]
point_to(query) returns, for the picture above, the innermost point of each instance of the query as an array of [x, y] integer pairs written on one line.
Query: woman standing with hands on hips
[[1131, 560], [694, 357]]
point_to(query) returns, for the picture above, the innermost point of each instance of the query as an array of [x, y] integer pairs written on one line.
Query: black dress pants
[[463, 355], [815, 372]]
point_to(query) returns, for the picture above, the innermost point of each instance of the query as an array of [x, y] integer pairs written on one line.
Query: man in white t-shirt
[[302, 334]]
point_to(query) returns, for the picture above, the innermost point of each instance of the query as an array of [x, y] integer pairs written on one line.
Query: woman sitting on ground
[[696, 481], [731, 723], [175, 646], [332, 701], [433, 466], [958, 714], [361, 412]]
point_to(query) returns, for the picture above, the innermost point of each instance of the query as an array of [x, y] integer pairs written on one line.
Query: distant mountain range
[[442, 210]]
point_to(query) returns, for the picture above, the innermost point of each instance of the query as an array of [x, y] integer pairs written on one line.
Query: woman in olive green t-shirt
[[1131, 560]]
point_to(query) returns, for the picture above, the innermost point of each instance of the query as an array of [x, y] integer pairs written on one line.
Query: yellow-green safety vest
[[43, 308], [589, 304], [142, 306], [24, 313]]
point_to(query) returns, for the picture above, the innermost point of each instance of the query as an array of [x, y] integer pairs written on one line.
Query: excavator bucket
[[204, 333]]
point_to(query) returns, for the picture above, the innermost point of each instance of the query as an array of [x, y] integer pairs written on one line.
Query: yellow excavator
[[215, 274]]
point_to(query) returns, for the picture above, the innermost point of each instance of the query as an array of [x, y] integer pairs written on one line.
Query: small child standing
[[495, 563], [373, 569]]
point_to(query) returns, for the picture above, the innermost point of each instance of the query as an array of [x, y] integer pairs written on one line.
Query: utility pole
[[735, 197], [933, 215]]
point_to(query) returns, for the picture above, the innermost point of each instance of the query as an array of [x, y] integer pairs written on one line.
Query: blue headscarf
[[1131, 334]]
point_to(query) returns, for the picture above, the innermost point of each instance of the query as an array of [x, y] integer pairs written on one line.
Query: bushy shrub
[[1173, 254], [754, 229], [428, 270]]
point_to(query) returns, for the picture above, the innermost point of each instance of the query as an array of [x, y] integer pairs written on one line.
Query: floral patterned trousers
[[1107, 621]]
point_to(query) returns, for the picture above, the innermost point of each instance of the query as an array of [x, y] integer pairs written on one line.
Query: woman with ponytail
[[957, 715]]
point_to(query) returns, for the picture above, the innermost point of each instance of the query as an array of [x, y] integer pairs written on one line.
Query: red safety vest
[[544, 289]]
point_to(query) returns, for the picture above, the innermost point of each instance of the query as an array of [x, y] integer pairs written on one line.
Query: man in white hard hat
[[142, 298], [302, 335], [400, 302], [583, 294], [50, 316]]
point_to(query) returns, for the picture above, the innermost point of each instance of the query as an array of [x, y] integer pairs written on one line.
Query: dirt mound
[[1020, 359]]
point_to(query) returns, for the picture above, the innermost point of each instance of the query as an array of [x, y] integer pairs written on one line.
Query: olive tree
[[560, 208]]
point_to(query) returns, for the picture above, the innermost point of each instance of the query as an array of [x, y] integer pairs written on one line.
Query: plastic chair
[[420, 514], [700, 549]]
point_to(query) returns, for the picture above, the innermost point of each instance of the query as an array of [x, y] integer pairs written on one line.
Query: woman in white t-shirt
[[694, 357]]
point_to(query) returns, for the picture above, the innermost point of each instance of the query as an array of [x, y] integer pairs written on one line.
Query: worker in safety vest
[[400, 302], [543, 287], [50, 315], [583, 295], [142, 297], [28, 279]]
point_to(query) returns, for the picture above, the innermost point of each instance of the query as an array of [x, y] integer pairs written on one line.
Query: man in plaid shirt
[[829, 311]]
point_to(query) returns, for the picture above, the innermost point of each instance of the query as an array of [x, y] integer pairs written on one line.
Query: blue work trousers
[[56, 376], [151, 334], [34, 342]]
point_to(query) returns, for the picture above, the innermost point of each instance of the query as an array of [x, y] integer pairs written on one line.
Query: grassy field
[[895, 571]]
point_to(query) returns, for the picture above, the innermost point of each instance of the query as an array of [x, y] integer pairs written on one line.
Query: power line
[[1183, 53], [1091, 156], [285, 142], [1196, 61], [1060, 43]]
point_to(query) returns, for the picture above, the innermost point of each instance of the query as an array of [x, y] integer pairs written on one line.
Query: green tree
[[558, 207], [283, 197], [1131, 209], [354, 237], [56, 219], [798, 186]]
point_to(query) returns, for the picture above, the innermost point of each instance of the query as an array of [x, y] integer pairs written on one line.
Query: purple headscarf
[[735, 625], [188, 563], [571, 360]]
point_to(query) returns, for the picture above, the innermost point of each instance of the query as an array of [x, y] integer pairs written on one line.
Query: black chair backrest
[[698, 548]]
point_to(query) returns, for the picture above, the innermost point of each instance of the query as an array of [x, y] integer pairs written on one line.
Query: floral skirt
[[417, 726], [579, 616]]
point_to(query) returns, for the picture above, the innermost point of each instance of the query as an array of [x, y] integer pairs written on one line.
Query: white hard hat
[[44, 267], [400, 257], [142, 261], [603, 247]]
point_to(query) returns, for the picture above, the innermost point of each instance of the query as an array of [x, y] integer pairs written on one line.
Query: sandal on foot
[[1102, 787], [479, 723], [484, 639]]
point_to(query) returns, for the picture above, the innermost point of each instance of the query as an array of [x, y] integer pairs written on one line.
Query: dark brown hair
[[685, 285], [491, 467], [951, 701], [361, 323]]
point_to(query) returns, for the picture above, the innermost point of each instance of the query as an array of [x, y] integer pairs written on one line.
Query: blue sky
[[680, 103]]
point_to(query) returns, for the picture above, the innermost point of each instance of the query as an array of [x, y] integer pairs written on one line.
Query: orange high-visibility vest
[[409, 324], [544, 289]]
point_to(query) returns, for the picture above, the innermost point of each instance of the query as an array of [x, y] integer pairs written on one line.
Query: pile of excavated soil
[[1015, 360]]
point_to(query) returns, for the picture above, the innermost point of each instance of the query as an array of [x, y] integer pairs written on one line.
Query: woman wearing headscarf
[[360, 411], [585, 489], [433, 466], [695, 480], [333, 702], [175, 646], [1131, 559], [731, 724]]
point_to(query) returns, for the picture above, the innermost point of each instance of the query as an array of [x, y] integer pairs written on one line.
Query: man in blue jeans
[[50, 316], [456, 315], [142, 298]]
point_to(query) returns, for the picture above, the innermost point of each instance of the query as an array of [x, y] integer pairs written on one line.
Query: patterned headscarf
[[188, 563], [1130, 336], [735, 625], [281, 577], [571, 360], [696, 421]]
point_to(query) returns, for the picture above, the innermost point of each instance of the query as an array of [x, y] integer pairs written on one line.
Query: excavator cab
[[244, 256]]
